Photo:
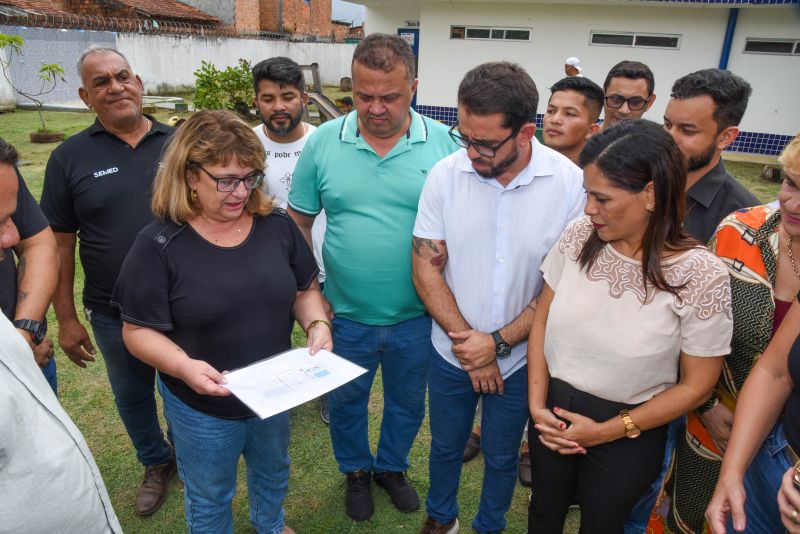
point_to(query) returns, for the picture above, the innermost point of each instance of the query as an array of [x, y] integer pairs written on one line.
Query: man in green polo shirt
[[366, 170]]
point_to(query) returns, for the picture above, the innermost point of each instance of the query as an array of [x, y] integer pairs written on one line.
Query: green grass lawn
[[315, 503]]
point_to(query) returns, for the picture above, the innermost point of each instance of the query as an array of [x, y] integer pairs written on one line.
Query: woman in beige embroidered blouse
[[629, 301]]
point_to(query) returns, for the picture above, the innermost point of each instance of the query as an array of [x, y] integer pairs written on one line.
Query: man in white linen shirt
[[488, 215]]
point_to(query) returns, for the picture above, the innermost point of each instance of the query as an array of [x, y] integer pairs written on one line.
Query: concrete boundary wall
[[47, 45], [164, 62], [167, 62]]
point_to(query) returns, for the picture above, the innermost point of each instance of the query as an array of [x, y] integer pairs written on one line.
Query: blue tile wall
[[751, 142]]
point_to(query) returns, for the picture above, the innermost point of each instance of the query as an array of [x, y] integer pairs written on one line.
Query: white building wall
[[775, 79], [388, 18], [560, 31], [167, 62]]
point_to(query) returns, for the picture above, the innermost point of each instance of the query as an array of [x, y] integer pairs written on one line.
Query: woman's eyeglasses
[[226, 184]]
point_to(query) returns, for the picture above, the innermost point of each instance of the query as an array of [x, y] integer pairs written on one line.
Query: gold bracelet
[[315, 322]]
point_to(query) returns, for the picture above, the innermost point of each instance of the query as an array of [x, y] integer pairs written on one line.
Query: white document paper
[[289, 379]]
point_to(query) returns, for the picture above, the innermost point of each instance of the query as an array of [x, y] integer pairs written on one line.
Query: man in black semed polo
[[97, 184]]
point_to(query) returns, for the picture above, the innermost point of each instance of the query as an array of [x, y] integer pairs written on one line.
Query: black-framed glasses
[[635, 103], [484, 150], [226, 184]]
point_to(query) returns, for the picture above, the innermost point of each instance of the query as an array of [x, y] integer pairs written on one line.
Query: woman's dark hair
[[630, 155]]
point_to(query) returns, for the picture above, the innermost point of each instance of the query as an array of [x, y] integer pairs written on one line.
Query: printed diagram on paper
[[289, 379], [284, 381]]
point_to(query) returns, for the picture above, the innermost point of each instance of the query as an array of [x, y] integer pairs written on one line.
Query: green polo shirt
[[371, 204]]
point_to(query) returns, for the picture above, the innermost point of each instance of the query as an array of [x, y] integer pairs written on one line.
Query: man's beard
[[281, 131], [501, 167], [698, 162]]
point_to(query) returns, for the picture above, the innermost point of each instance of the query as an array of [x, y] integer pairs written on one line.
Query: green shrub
[[231, 88]]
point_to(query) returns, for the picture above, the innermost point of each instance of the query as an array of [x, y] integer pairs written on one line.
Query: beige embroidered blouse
[[606, 336]]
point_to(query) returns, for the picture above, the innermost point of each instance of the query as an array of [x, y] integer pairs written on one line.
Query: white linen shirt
[[49, 481], [497, 237]]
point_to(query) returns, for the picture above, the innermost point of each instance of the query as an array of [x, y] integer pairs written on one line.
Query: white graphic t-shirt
[[281, 160]]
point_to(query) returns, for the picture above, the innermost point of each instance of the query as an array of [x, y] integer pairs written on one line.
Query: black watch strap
[[497, 337], [501, 347], [37, 330]]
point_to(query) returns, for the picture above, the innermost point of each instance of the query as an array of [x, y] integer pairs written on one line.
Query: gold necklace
[[791, 256]]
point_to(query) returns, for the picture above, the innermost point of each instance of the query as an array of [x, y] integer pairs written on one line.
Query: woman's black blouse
[[229, 306]]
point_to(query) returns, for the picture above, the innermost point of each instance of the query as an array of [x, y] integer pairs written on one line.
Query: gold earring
[[193, 194]]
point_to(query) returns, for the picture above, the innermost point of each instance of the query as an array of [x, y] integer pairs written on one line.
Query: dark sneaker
[[525, 469], [403, 496], [151, 492], [432, 526], [473, 447], [358, 500], [323, 410]]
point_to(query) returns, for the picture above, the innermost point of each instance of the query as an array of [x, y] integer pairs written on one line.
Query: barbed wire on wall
[[69, 21]]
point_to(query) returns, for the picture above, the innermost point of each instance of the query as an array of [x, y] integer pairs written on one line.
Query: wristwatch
[[37, 330], [501, 348], [631, 430]]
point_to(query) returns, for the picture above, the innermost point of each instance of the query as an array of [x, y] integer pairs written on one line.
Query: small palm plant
[[49, 74]]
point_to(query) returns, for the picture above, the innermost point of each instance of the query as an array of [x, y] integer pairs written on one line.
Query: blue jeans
[[640, 515], [208, 449], [49, 372], [133, 384], [452, 405], [762, 482], [403, 351]]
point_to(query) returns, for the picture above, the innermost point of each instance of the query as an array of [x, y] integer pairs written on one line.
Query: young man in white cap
[[572, 66]]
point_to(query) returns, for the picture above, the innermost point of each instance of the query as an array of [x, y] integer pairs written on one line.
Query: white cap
[[575, 62]]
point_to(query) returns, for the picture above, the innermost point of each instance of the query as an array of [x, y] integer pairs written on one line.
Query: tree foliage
[[231, 88]]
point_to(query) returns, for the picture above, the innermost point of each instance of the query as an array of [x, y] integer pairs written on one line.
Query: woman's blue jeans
[[762, 482], [208, 450]]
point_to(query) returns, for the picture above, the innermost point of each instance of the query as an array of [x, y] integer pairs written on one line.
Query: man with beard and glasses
[[703, 117], [487, 218], [366, 170], [281, 98]]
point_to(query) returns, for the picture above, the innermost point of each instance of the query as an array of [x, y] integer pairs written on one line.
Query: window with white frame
[[781, 47], [635, 39], [493, 33]]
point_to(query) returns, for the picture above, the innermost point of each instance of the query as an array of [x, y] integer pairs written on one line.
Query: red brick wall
[[268, 15], [296, 16], [340, 31], [247, 15]]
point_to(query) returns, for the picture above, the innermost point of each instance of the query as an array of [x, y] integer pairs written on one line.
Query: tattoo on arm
[[429, 250], [21, 295]]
